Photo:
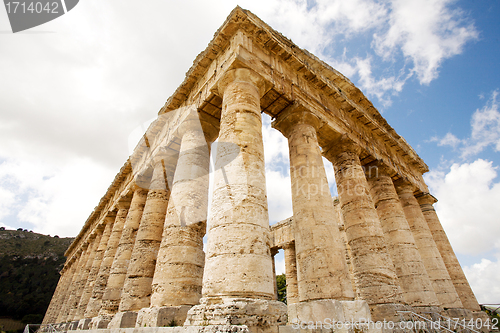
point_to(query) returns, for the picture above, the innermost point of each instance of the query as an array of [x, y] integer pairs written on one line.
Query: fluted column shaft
[[434, 265], [450, 260], [65, 307], [92, 274], [59, 295], [292, 289], [118, 272], [322, 271], [136, 291], [93, 303], [73, 300], [238, 234], [178, 275], [374, 273], [94, 243], [415, 283]]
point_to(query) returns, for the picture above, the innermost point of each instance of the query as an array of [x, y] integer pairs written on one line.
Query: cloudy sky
[[75, 92]]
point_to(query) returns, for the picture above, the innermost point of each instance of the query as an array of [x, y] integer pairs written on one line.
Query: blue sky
[[75, 92]]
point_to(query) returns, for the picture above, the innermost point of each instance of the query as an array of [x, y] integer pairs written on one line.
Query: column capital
[[426, 199], [341, 145], [242, 75], [295, 115], [210, 126], [123, 204], [377, 168], [403, 186]]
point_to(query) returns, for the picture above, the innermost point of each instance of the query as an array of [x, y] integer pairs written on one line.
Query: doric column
[[118, 272], [95, 302], [93, 244], [177, 281], [450, 260], [274, 252], [238, 234], [434, 265], [414, 281], [374, 273], [136, 291], [92, 306], [59, 295], [322, 271], [292, 289], [92, 273], [73, 299], [71, 268], [65, 306]]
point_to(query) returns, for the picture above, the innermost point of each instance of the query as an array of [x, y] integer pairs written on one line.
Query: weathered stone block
[[162, 316], [123, 320]]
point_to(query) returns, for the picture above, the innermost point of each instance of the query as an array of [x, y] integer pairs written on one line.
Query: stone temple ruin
[[377, 253]]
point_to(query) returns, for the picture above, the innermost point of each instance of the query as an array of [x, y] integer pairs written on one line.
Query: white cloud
[[425, 31], [468, 205], [485, 131], [468, 210], [7, 199], [279, 196], [485, 128], [483, 278], [279, 263], [448, 140], [71, 98], [53, 200]]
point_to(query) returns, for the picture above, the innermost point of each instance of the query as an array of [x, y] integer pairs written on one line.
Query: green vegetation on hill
[[281, 285], [29, 272]]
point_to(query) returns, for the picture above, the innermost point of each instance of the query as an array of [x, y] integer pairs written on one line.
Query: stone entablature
[[376, 250]]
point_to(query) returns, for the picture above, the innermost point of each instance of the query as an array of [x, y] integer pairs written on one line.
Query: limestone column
[[238, 266], [415, 283], [434, 265], [177, 281], [65, 308], [450, 260], [321, 268], [71, 268], [136, 291], [90, 310], [274, 252], [72, 303], [292, 290], [101, 282], [55, 303], [374, 273], [93, 244], [118, 272], [91, 275]]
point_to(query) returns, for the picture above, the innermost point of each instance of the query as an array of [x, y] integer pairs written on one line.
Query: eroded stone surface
[[247, 69]]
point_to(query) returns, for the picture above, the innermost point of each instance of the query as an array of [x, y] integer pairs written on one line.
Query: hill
[[29, 272]]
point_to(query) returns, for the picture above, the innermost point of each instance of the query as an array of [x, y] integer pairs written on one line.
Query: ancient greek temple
[[375, 252]]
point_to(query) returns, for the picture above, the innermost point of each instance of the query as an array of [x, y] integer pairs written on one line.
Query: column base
[[165, 316], [458, 313], [72, 326], [83, 324], [389, 312], [99, 322], [125, 319], [260, 316], [480, 320], [328, 311]]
